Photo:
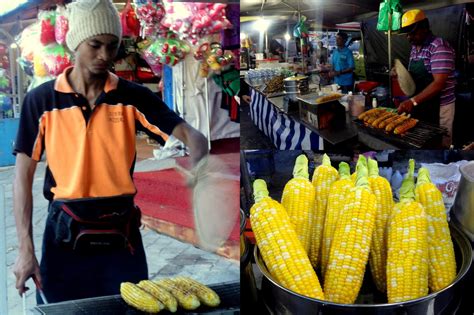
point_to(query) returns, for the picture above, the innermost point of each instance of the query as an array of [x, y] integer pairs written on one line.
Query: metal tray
[[114, 305]]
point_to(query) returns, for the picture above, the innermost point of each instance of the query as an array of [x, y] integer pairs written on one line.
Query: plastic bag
[[384, 10], [446, 177], [47, 20], [129, 21], [150, 14], [61, 26], [165, 51], [55, 59]]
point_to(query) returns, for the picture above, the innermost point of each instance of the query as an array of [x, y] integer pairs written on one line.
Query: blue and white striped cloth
[[284, 131]]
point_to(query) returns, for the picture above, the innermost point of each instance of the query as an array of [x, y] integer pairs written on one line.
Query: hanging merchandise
[[129, 21], [55, 59], [229, 81], [165, 51], [150, 14], [213, 57], [47, 20], [4, 81], [300, 30], [28, 41], [193, 20], [388, 7], [61, 26]]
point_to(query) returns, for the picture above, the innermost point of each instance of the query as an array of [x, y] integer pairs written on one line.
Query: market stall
[[305, 40], [364, 277], [189, 66]]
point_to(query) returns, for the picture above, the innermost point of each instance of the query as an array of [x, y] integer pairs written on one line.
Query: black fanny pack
[[96, 225]]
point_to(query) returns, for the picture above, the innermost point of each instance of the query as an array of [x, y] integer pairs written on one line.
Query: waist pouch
[[93, 225]]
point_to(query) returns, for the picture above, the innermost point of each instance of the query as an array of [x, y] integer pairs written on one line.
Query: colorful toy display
[[165, 51], [212, 57], [47, 22], [61, 26], [150, 15]]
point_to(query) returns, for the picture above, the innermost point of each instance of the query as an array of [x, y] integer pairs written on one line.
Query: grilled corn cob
[[336, 201], [442, 266], [385, 123], [405, 126], [281, 249], [351, 243], [140, 299], [323, 177], [396, 122], [373, 118], [185, 298], [298, 200], [205, 294], [407, 258], [384, 202], [159, 293], [380, 119], [367, 113]]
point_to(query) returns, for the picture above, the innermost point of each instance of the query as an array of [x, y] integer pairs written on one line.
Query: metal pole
[[389, 54], [208, 114], [3, 255]]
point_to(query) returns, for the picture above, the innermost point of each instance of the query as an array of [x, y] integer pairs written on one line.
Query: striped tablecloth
[[285, 132]]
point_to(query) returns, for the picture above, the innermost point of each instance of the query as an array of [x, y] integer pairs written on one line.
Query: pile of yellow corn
[[342, 222], [153, 296]]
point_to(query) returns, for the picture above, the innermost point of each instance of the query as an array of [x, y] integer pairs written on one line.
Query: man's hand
[[26, 266], [247, 98], [405, 107], [333, 74], [192, 138]]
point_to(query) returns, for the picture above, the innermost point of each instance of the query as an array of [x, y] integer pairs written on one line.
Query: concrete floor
[[166, 256], [251, 137]]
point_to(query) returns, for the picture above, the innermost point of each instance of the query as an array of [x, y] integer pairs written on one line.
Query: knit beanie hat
[[89, 18]]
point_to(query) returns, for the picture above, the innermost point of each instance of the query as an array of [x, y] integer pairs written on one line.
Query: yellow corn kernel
[[205, 294], [336, 201], [323, 177], [351, 243], [298, 200], [185, 298], [279, 245], [138, 298], [161, 294], [378, 251], [442, 267], [407, 257]]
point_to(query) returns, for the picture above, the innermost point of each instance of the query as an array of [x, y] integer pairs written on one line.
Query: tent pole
[[389, 54]]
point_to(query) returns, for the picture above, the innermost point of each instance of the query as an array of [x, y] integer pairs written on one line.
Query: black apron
[[427, 111]]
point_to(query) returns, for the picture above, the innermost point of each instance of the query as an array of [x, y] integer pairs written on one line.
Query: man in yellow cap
[[432, 68]]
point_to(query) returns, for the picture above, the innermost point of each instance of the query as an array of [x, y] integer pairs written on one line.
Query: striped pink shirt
[[438, 57]]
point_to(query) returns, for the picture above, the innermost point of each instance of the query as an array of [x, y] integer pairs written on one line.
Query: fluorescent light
[[261, 24], [243, 36], [287, 37], [11, 5]]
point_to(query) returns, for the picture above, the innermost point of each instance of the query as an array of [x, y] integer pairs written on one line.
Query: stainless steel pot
[[296, 84], [279, 300], [463, 207]]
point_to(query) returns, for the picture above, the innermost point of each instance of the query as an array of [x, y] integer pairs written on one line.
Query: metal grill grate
[[421, 136], [228, 292]]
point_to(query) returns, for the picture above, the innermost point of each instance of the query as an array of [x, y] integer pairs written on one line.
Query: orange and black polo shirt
[[90, 153]]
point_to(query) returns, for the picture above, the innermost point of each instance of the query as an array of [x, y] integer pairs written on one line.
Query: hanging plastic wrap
[[193, 20], [4, 81], [61, 26], [47, 21], [300, 30], [129, 21], [28, 41], [55, 59], [394, 8], [213, 58], [165, 51], [149, 14]]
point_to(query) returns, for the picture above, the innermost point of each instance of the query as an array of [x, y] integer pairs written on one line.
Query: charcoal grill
[[423, 135], [228, 292]]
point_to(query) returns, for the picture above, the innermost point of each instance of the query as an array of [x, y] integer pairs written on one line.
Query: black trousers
[[70, 275]]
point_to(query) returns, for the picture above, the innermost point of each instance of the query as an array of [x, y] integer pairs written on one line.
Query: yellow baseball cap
[[410, 19]]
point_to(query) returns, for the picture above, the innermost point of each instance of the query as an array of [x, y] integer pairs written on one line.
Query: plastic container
[[357, 105]]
